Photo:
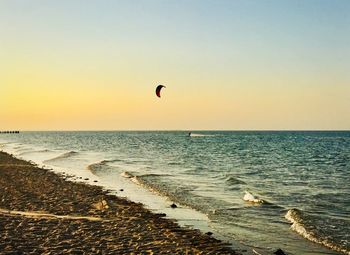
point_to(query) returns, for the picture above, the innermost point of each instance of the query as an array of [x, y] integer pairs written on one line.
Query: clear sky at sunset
[[232, 65]]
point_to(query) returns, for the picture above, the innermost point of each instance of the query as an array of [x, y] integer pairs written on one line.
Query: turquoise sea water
[[301, 177]]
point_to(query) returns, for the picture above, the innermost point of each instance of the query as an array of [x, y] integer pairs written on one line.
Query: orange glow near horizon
[[90, 73]]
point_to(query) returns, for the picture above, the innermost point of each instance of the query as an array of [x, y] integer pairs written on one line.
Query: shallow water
[[302, 178]]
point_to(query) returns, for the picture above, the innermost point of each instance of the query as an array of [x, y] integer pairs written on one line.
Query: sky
[[226, 64]]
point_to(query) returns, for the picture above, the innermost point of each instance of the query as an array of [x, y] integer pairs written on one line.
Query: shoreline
[[42, 212]]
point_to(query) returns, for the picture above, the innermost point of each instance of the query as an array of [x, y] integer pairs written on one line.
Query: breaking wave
[[199, 135], [102, 167], [234, 181], [299, 219], [173, 190], [62, 156], [249, 197], [96, 167]]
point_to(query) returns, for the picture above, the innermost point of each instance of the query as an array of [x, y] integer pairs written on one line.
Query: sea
[[298, 181]]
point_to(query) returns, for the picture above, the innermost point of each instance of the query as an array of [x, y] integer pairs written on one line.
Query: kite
[[158, 89]]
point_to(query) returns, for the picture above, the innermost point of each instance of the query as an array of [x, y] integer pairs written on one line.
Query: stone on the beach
[[101, 205], [104, 203], [209, 233], [173, 205], [121, 190], [279, 252]]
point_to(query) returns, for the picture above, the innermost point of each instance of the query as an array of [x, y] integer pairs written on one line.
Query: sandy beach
[[42, 213]]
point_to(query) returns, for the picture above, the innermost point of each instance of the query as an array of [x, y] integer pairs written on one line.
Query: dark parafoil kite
[[158, 89]]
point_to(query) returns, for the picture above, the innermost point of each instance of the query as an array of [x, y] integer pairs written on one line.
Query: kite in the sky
[[158, 89]]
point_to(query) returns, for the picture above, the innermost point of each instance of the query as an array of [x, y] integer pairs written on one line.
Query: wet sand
[[42, 213]]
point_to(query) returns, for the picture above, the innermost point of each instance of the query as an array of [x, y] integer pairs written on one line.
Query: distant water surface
[[302, 177]]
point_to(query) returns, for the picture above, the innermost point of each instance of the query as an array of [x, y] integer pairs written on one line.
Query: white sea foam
[[199, 135], [250, 198]]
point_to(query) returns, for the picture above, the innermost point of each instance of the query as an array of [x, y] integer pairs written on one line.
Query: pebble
[[279, 252]]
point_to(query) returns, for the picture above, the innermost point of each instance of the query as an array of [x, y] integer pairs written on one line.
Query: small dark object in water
[[121, 190], [173, 205], [95, 180], [86, 179], [209, 233], [279, 252]]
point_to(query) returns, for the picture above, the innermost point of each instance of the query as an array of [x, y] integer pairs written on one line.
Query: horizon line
[[185, 130]]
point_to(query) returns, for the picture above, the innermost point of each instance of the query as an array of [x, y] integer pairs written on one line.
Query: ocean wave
[[62, 156], [101, 166], [154, 187], [143, 176], [31, 151], [95, 167], [175, 192], [199, 135], [174, 163], [249, 197], [143, 181], [234, 181], [296, 217]]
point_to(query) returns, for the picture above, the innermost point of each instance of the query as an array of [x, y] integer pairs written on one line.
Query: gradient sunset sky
[[231, 65]]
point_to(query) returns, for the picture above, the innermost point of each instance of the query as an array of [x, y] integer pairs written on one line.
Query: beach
[[43, 213], [291, 174]]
